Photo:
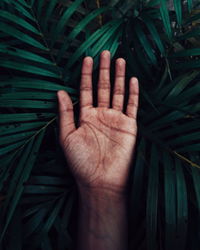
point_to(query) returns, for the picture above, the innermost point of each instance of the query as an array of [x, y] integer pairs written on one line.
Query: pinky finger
[[132, 106]]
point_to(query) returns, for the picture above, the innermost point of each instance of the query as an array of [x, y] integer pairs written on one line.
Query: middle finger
[[104, 80]]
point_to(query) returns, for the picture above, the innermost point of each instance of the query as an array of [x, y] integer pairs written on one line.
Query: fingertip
[[105, 53], [88, 60], [60, 93], [63, 98], [134, 80], [134, 85], [121, 61]]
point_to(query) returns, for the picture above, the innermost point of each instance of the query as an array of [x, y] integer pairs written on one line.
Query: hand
[[100, 150]]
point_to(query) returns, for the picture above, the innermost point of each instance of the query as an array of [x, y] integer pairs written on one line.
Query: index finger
[[86, 99]]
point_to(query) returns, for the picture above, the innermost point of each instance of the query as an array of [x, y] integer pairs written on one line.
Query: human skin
[[100, 152]]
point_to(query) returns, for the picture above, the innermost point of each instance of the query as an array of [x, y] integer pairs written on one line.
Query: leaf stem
[[193, 164]]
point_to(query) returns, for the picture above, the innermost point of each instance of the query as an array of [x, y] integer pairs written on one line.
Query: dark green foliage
[[41, 50]]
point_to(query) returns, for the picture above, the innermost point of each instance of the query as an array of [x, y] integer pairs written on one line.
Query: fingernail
[[60, 94], [121, 61], [134, 80], [105, 53], [62, 99], [88, 60]]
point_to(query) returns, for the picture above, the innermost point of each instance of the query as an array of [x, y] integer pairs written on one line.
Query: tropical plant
[[42, 46]]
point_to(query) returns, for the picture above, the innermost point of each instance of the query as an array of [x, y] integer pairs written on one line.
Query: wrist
[[103, 193]]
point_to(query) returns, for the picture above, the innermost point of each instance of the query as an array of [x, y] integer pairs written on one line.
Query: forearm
[[102, 222]]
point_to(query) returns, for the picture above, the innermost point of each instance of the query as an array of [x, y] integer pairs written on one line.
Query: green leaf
[[182, 205], [20, 9], [91, 40], [15, 230], [196, 183], [17, 20], [55, 33], [27, 104], [39, 189], [68, 207], [178, 10], [28, 68], [77, 29], [21, 127], [169, 85], [180, 86], [32, 2], [15, 138], [48, 180], [170, 201], [15, 52], [12, 31], [48, 14], [141, 58], [189, 148], [35, 221], [166, 119], [24, 117], [155, 35], [186, 52], [127, 5], [165, 18], [189, 93], [23, 2], [39, 8], [46, 243], [21, 175], [192, 18], [29, 83], [29, 96], [137, 181], [186, 139], [152, 200], [6, 163], [112, 34], [50, 220], [192, 64], [184, 128], [190, 3], [145, 44], [11, 147], [153, 3], [189, 34]]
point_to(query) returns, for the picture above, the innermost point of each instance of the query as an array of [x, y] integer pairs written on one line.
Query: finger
[[119, 88], [66, 114], [132, 106], [104, 80], [86, 83]]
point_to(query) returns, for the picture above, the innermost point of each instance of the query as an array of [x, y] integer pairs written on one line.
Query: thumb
[[66, 115]]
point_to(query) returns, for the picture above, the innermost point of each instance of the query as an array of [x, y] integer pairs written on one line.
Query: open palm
[[101, 148]]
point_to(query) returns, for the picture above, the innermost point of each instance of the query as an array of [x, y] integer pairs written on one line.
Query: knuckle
[[103, 103], [117, 106], [132, 105], [86, 88], [85, 78], [104, 84], [118, 91], [131, 114]]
